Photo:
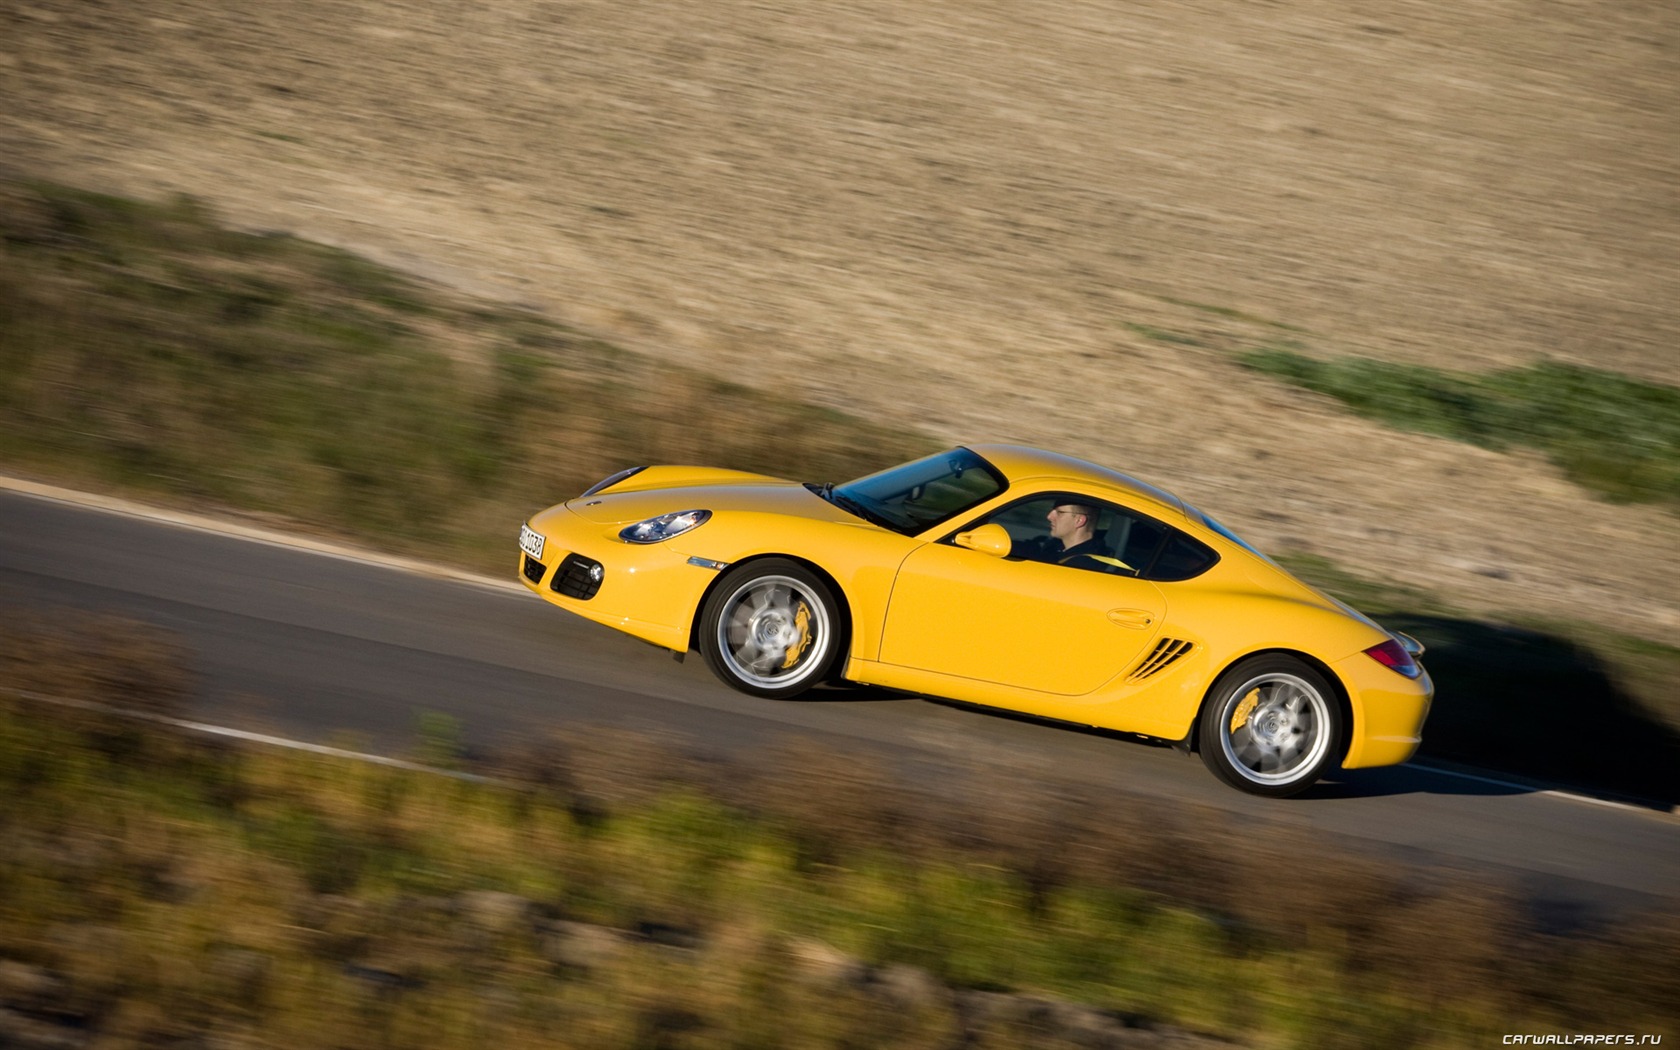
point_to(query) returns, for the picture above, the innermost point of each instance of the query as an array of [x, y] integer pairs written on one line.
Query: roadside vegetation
[[146, 347], [607, 892], [1611, 433]]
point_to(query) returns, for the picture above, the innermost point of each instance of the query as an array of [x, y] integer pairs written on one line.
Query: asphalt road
[[330, 648]]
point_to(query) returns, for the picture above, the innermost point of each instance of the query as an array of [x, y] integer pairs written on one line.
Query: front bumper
[[646, 590]]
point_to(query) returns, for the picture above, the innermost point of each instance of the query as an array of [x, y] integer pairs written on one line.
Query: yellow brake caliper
[[1239, 717], [802, 624]]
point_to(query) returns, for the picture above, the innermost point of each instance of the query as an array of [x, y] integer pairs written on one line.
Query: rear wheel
[[1271, 726], [771, 628]]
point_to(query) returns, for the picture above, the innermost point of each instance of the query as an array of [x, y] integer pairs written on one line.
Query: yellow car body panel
[[1388, 717], [975, 616], [651, 596], [925, 614]]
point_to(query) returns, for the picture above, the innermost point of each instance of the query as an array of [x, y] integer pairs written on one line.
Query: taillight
[[1392, 655]]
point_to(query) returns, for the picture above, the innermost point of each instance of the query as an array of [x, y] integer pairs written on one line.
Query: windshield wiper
[[847, 503], [852, 505]]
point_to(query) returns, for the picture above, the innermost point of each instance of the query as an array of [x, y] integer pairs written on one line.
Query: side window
[[1137, 545], [1063, 528], [1027, 523], [1078, 532]]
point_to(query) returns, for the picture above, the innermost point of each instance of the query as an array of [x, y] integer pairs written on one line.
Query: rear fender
[[1190, 743]]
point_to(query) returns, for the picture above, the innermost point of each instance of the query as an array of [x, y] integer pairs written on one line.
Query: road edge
[[256, 534]]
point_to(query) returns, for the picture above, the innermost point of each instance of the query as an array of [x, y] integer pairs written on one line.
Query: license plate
[[531, 542]]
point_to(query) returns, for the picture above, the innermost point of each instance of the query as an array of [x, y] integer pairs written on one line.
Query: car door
[[1020, 623]]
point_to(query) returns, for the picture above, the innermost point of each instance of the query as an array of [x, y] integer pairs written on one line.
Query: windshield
[[923, 494]]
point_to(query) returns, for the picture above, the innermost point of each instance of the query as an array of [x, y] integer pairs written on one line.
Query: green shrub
[[1612, 433]]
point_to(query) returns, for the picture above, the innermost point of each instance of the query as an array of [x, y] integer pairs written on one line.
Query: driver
[[1073, 540]]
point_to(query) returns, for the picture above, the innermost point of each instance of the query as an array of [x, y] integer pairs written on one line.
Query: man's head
[[1072, 523]]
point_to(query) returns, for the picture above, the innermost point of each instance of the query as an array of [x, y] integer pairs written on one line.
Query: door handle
[[1137, 619]]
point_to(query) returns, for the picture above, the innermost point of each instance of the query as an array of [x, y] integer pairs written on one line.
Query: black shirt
[[1091, 555], [1050, 549]]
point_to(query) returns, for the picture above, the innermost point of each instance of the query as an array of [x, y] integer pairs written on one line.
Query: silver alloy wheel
[[772, 633], [1275, 728]]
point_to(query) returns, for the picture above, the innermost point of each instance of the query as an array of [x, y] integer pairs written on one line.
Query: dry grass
[[151, 349]]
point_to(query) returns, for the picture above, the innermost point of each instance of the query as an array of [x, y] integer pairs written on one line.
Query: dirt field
[[1042, 221]]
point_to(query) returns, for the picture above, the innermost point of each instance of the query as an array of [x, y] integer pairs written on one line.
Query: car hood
[[720, 492]]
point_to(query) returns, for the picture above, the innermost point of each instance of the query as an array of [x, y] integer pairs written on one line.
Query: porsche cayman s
[[999, 576]]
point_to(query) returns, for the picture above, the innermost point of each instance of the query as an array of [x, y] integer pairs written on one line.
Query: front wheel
[[1271, 726], [771, 628]]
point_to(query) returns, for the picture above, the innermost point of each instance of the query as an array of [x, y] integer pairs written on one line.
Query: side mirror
[[987, 539]]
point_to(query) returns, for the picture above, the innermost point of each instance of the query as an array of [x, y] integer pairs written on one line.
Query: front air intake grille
[[578, 577], [1167, 652], [533, 569]]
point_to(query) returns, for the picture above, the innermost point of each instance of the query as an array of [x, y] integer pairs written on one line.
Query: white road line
[[270, 537], [289, 744], [1534, 789], [266, 739]]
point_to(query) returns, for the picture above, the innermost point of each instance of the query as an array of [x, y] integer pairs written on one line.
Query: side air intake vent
[[1167, 652]]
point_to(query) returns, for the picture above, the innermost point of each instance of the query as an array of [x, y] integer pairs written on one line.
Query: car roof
[[1021, 463]]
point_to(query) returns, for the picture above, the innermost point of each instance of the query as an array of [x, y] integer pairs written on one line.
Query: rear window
[[1181, 559]]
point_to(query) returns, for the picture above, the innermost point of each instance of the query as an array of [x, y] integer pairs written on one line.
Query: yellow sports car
[[993, 575]]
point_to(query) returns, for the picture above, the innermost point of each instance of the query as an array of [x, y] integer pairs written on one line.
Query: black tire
[[1271, 726], [772, 628]]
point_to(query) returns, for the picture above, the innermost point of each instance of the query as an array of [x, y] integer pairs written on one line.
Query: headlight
[[664, 527], [611, 480]]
